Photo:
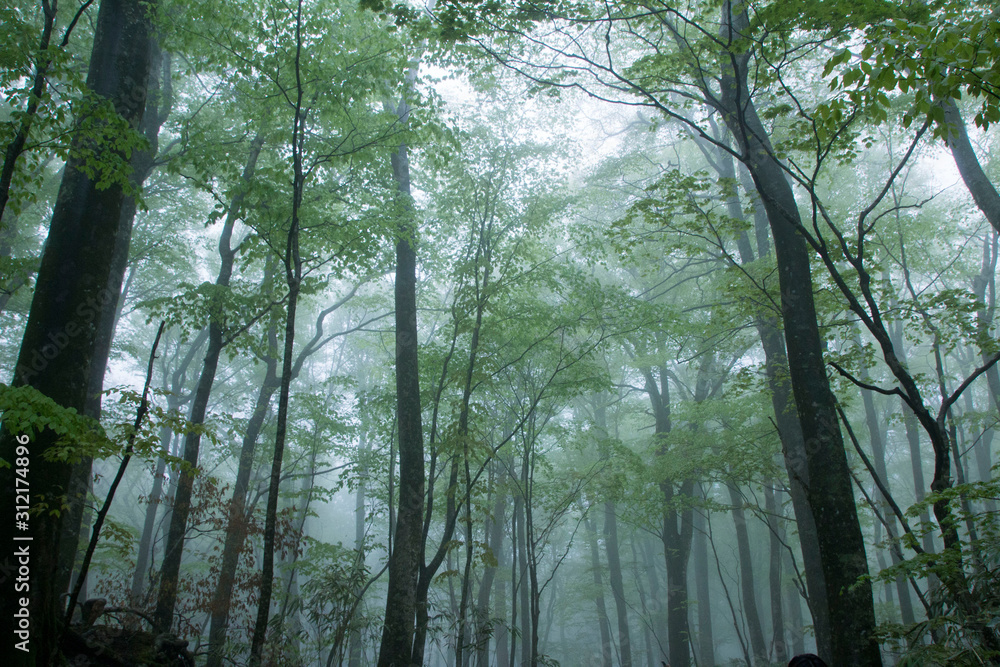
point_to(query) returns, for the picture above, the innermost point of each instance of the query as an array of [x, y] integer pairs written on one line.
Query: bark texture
[[60, 339], [829, 490]]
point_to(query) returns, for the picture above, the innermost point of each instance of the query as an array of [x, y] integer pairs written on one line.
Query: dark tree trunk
[[293, 267], [677, 531], [793, 446], [239, 513], [527, 567], [502, 632], [657, 608], [516, 538], [174, 548], [175, 400], [404, 562], [293, 280], [61, 335], [829, 490], [875, 435], [612, 546], [159, 103], [38, 85]]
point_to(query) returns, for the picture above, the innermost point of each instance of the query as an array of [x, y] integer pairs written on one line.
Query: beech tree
[[60, 340]]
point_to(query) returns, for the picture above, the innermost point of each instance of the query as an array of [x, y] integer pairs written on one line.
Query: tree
[[58, 347]]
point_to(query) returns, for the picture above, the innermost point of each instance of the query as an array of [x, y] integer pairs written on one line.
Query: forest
[[466, 333]]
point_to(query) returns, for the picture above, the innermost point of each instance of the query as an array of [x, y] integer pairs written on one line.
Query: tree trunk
[[611, 547], [699, 551], [657, 608], [526, 587], [239, 513], [875, 435], [175, 400], [677, 530], [174, 548], [794, 601], [611, 544], [776, 551], [984, 287], [404, 561], [750, 608], [159, 102], [502, 632], [643, 603], [61, 335], [292, 261], [602, 610], [976, 180], [793, 447], [39, 83], [355, 649], [485, 627], [829, 490]]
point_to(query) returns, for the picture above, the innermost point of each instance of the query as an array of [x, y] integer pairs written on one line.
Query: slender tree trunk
[[404, 561], [976, 180], [293, 279], [239, 513], [912, 428], [60, 339], [38, 85], [516, 537], [485, 628], [355, 648], [175, 400], [144, 555], [611, 547], [878, 457], [776, 551], [525, 587], [658, 608], [647, 635], [794, 601], [602, 610], [699, 551], [793, 446], [174, 548], [750, 608], [830, 492], [502, 632]]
